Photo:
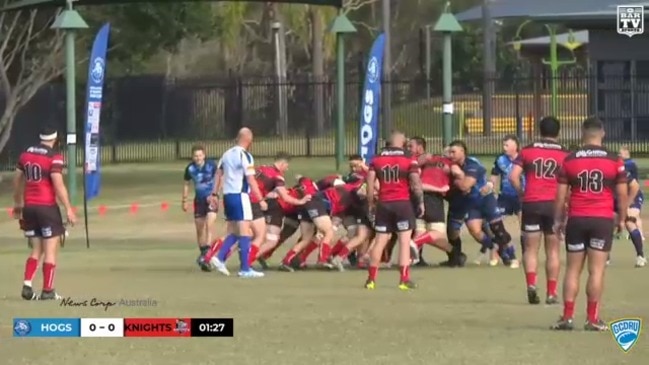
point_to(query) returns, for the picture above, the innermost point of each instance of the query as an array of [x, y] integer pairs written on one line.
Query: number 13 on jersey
[[102, 327]]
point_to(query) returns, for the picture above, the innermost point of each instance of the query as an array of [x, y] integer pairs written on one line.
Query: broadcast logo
[[626, 332], [630, 20], [22, 327], [181, 326]]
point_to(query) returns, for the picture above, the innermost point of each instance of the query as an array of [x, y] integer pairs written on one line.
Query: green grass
[[474, 315]]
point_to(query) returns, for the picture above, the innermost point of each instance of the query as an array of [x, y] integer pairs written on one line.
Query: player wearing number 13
[[592, 176], [398, 175], [540, 161], [38, 183]]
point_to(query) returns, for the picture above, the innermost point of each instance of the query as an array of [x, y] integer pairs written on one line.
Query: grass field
[[476, 315]]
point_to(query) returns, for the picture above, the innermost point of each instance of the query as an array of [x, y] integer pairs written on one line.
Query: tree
[[30, 57]]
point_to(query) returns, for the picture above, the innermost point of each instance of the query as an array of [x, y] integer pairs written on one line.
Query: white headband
[[48, 137]]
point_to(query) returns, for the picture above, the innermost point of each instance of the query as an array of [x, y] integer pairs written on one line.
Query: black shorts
[[394, 216], [433, 208], [589, 233], [537, 217], [257, 213], [316, 207], [357, 214], [202, 207], [274, 214], [42, 221]]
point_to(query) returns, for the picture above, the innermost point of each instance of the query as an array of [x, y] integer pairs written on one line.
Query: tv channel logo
[[630, 20], [626, 332]]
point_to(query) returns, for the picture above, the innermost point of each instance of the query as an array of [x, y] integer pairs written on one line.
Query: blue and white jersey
[[237, 164], [202, 176], [502, 168]]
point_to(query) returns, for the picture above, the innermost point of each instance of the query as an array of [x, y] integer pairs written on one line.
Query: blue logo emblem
[[626, 332], [22, 327], [373, 70], [97, 72]]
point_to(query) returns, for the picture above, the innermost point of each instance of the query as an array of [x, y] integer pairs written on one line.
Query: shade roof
[[579, 37], [550, 10], [22, 4]]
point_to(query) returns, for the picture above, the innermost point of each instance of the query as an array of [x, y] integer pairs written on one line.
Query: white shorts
[[237, 207]]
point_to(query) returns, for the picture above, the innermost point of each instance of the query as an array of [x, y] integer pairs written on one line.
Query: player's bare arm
[[515, 178], [417, 191], [19, 186], [560, 208], [634, 189], [282, 192], [62, 195], [622, 193], [466, 183], [254, 188], [184, 203], [371, 188]]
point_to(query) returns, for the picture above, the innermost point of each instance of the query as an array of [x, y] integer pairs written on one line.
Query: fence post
[[519, 119]]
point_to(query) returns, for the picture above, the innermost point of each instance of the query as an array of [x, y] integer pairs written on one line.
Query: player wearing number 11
[[398, 176], [540, 161], [38, 182], [592, 176]]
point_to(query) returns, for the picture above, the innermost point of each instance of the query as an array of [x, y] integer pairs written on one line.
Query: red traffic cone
[[164, 206], [134, 208], [102, 209]]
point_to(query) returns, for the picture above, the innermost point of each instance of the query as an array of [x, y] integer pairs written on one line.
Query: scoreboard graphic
[[123, 327]]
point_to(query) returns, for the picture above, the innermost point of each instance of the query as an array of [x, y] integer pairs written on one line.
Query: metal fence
[[150, 118]]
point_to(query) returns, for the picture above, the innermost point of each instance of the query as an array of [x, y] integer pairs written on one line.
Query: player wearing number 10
[[38, 182], [540, 161]]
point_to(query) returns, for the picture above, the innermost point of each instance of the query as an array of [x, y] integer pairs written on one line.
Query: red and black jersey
[[268, 178], [327, 182], [37, 164], [304, 186], [592, 173], [435, 171], [342, 197], [393, 167], [541, 162]]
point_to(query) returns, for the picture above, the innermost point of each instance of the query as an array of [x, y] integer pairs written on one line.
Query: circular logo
[[22, 327], [97, 72], [373, 70]]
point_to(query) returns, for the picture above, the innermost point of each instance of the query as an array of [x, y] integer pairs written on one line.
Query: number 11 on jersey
[[102, 327]]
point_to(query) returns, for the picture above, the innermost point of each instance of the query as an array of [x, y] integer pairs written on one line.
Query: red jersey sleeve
[[620, 176], [279, 181], [57, 163], [520, 159]]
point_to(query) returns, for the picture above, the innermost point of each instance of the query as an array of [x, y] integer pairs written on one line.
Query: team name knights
[[138, 302]]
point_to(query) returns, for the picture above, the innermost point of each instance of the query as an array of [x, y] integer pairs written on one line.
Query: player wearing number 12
[[398, 175], [38, 182], [592, 176], [540, 161]]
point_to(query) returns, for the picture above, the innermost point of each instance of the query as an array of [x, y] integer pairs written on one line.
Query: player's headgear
[[48, 134]]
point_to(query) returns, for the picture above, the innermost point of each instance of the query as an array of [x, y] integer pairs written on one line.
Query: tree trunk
[[317, 59], [7, 123]]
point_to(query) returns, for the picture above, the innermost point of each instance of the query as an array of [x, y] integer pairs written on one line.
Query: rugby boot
[[414, 253], [597, 326], [49, 295], [407, 285], [551, 300], [262, 262], [28, 293], [251, 274], [514, 264], [532, 295], [640, 261], [370, 285], [337, 262], [285, 268], [204, 266], [480, 258], [219, 266], [563, 324], [325, 265], [353, 259]]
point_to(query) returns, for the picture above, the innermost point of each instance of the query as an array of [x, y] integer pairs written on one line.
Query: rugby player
[[592, 177], [636, 199], [398, 175], [238, 184], [435, 172], [202, 173], [540, 162], [271, 179], [478, 203], [37, 184], [508, 201]]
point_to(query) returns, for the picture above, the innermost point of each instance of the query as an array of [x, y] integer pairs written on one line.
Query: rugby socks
[[423, 239], [487, 243], [404, 274], [457, 245], [290, 255], [254, 251], [214, 249], [308, 250], [244, 252], [30, 271], [592, 311], [325, 252], [335, 251], [636, 239], [568, 310], [48, 276], [229, 241], [552, 287], [372, 271], [204, 249], [343, 252], [530, 279]]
